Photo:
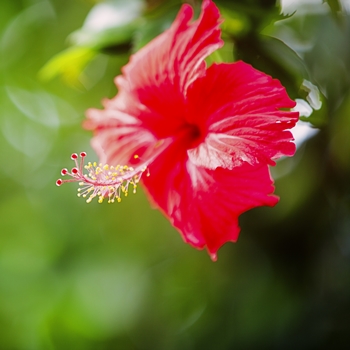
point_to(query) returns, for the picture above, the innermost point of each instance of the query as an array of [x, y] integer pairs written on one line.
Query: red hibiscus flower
[[207, 135]]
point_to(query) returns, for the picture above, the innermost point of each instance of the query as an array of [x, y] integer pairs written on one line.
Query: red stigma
[[74, 156], [59, 182], [82, 154], [75, 171], [64, 171]]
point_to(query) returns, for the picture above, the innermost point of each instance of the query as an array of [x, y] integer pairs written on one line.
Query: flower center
[[195, 135]]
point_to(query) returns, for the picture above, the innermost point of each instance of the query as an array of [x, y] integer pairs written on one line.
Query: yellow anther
[[105, 181]]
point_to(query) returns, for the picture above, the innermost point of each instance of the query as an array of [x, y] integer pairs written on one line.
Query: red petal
[[154, 83], [242, 116], [205, 204], [152, 90], [118, 136], [176, 57]]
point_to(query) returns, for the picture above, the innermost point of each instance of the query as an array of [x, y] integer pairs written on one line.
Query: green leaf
[[318, 119], [275, 58], [155, 22], [235, 23], [336, 10], [255, 15], [109, 25], [334, 6], [68, 64], [110, 37], [285, 56]]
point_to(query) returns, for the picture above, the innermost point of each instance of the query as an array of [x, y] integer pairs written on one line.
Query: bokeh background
[[98, 276]]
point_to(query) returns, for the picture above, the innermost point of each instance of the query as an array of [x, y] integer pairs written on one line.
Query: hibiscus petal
[[204, 204], [118, 136], [157, 76], [152, 89], [242, 116]]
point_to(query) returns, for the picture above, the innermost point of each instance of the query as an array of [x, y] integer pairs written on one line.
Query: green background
[[99, 276]]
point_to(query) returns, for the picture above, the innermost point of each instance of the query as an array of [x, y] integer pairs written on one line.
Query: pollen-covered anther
[[102, 180]]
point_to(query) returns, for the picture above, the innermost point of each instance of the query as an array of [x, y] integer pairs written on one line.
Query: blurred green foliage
[[77, 276]]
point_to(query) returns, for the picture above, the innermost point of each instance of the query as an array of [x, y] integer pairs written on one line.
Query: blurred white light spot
[[32, 141], [346, 5], [301, 7], [302, 132], [313, 96], [15, 39], [42, 108], [112, 14]]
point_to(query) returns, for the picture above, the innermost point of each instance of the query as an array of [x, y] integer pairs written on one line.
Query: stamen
[[102, 180]]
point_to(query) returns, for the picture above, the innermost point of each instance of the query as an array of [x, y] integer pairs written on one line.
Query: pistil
[[102, 180]]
